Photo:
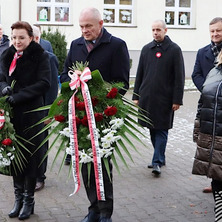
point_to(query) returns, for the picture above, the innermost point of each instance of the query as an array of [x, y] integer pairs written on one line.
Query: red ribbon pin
[[158, 54]]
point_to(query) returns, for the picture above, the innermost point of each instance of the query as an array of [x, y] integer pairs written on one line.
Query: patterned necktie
[[13, 64], [89, 46]]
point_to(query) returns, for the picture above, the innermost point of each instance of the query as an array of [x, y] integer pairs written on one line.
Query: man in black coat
[[205, 59], [206, 56], [159, 88], [110, 56]]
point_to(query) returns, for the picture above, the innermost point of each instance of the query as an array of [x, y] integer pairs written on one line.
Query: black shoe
[[68, 159], [105, 219], [156, 170], [150, 166], [39, 186], [91, 217]]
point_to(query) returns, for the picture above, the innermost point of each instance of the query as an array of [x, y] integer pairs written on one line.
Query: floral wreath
[[114, 120], [11, 157]]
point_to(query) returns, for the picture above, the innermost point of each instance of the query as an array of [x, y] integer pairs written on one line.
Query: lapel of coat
[[209, 55]]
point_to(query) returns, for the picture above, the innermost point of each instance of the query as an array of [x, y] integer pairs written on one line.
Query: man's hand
[[136, 102], [175, 107]]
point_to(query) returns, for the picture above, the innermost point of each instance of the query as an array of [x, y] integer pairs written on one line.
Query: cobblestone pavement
[[175, 196]]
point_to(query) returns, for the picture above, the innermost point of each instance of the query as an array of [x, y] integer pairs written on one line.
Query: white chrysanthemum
[[105, 145], [112, 132], [105, 131], [84, 158], [6, 162], [116, 123], [65, 132], [1, 156], [68, 150], [108, 138], [106, 152], [9, 154], [12, 157]]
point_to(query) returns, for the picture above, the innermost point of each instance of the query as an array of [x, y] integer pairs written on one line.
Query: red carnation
[[59, 102], [76, 99], [95, 101], [80, 106], [84, 121], [7, 142], [78, 121], [98, 117], [60, 118], [112, 94], [110, 111]]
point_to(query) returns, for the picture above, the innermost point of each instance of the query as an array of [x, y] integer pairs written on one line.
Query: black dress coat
[[160, 82], [203, 64], [110, 56], [32, 76]]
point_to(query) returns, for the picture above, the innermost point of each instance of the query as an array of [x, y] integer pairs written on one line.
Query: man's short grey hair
[[162, 22], [93, 11], [36, 31], [215, 20]]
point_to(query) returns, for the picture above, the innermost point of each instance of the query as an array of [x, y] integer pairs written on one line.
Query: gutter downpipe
[[20, 10]]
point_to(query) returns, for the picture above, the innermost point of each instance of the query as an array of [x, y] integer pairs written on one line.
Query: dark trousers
[[43, 166], [104, 208], [159, 142]]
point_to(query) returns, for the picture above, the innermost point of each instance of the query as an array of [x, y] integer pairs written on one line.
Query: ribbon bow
[[2, 118], [78, 79]]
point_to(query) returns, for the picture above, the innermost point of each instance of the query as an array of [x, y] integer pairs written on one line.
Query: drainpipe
[[20, 10]]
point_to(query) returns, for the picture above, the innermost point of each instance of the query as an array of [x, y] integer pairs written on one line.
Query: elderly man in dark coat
[[110, 56], [159, 88]]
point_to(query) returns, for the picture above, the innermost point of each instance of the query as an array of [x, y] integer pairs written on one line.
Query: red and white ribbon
[[79, 79], [12, 67], [2, 118]]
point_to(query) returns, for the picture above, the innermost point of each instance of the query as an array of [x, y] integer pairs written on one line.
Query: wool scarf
[[216, 48]]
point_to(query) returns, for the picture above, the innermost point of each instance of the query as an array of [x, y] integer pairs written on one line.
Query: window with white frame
[[53, 11], [118, 12], [178, 13]]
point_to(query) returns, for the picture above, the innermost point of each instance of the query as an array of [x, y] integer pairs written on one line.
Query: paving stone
[[175, 196]]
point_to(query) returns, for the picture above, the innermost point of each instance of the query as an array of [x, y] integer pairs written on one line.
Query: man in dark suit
[[44, 43], [49, 98], [205, 59], [110, 56], [206, 56]]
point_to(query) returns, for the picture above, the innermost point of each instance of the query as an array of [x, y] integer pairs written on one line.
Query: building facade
[[187, 20]]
